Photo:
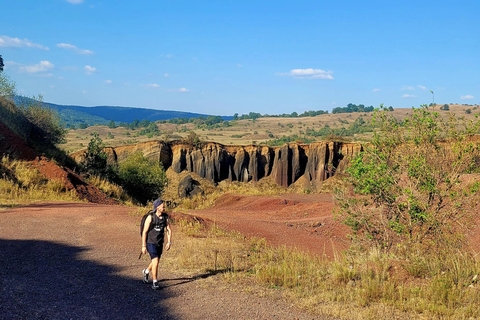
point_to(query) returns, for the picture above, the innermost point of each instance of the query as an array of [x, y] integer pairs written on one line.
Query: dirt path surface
[[80, 261]]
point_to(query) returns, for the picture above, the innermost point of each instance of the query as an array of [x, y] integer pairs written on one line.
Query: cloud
[[43, 66], [74, 1], [422, 87], [178, 90], [74, 48], [90, 70], [309, 74], [169, 56], [6, 41], [166, 75], [108, 81], [152, 85], [376, 90], [408, 96], [467, 97], [408, 88]]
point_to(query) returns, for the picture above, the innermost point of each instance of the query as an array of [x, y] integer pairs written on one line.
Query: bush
[[408, 182], [45, 118], [142, 178]]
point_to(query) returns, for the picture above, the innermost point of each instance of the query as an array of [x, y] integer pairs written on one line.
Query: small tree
[[408, 182], [7, 87], [95, 158]]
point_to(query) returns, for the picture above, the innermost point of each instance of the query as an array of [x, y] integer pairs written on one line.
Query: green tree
[[408, 183], [95, 158], [7, 87], [143, 178], [112, 124]]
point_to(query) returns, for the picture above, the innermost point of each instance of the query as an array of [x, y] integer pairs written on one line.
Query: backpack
[[142, 222]]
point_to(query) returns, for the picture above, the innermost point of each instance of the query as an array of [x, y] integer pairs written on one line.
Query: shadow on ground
[[47, 280]]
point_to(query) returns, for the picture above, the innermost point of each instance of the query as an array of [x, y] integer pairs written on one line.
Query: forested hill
[[74, 115]]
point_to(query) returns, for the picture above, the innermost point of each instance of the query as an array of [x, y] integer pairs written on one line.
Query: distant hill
[[102, 115]]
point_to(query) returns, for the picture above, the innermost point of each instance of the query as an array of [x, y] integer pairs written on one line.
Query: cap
[[156, 203]]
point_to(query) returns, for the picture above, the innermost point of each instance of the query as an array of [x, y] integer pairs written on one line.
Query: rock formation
[[285, 165]]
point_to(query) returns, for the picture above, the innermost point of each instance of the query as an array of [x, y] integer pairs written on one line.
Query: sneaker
[[155, 285], [145, 276]]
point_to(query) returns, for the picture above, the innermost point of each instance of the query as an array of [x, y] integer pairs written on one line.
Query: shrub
[[408, 184], [142, 178]]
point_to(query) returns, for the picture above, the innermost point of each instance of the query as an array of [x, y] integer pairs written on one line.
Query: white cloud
[[467, 97], [41, 67], [90, 70], [178, 90], [152, 85], [108, 81], [84, 91], [408, 88], [169, 56], [309, 73], [74, 48], [376, 90], [422, 87], [74, 1], [6, 41], [166, 75], [408, 96]]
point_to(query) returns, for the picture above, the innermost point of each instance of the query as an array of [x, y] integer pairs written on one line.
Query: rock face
[[285, 165]]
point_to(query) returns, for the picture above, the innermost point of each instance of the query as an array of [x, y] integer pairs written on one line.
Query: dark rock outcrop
[[285, 165], [189, 187]]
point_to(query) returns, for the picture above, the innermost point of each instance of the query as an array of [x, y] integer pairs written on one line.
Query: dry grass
[[241, 132], [21, 184], [211, 192], [374, 286]]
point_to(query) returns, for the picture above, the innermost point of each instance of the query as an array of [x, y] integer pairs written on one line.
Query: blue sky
[[226, 57]]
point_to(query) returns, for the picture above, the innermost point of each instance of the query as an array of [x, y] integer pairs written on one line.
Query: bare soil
[[80, 261]]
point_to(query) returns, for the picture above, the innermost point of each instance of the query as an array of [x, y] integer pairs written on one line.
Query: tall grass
[[20, 183], [373, 284]]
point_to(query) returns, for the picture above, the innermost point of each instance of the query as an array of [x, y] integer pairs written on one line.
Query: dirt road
[[80, 261]]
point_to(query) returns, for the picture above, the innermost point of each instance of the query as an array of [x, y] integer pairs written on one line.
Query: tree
[[408, 183], [445, 107], [95, 158], [7, 87], [112, 124]]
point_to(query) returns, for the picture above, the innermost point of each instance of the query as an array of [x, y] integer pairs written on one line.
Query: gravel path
[[80, 261]]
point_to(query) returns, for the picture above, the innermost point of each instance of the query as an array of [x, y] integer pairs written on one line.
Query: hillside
[[73, 115], [351, 127]]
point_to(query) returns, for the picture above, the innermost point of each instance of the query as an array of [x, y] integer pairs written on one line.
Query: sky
[[226, 57]]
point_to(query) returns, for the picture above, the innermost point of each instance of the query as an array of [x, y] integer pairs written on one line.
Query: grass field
[[244, 132]]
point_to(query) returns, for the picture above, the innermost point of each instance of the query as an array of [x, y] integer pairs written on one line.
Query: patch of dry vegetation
[[373, 285], [21, 183]]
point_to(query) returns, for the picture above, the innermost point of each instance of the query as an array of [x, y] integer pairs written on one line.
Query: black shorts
[[154, 250]]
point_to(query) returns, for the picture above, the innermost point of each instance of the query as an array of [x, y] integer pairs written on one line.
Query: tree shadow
[[47, 280]]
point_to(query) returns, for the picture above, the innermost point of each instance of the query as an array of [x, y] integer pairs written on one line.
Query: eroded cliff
[[285, 165]]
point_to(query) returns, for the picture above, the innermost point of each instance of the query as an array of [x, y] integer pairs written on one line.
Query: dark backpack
[[142, 222]]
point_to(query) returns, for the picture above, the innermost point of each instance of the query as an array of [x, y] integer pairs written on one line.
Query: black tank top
[[156, 231]]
